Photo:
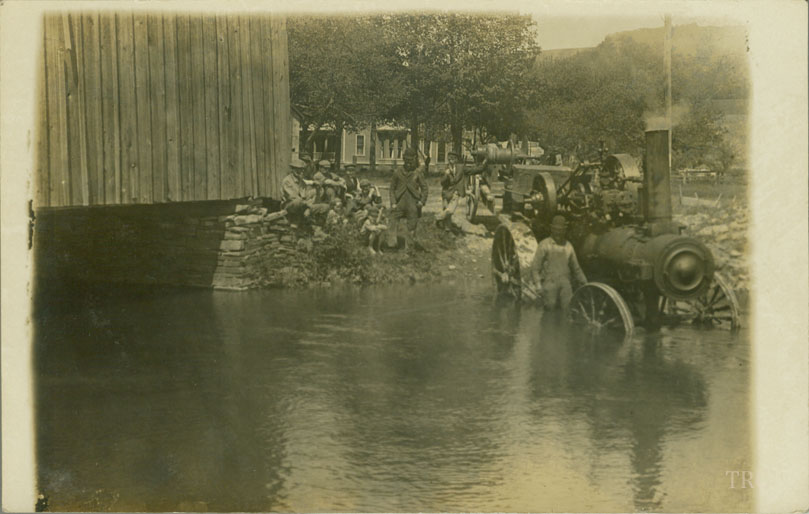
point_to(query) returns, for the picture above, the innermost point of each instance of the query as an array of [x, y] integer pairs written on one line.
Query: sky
[[580, 32], [587, 31]]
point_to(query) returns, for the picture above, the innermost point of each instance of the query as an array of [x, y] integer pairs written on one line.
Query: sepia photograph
[[497, 258]]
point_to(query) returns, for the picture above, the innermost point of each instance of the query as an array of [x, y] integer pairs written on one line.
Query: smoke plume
[[656, 120]]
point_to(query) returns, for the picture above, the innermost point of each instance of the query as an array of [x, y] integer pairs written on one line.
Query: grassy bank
[[342, 256]]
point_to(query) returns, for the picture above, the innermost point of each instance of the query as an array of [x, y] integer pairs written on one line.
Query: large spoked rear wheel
[[506, 264], [596, 306], [718, 307]]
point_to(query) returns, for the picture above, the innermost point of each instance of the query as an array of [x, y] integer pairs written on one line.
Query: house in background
[[391, 141], [356, 147], [296, 118]]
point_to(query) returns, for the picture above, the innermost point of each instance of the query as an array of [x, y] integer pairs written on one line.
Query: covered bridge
[[156, 129], [162, 107]]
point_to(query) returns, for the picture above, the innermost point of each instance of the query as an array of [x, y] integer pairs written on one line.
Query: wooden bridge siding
[[153, 107]]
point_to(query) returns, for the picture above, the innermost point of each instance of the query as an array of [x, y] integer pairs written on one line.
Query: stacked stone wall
[[227, 245], [256, 249]]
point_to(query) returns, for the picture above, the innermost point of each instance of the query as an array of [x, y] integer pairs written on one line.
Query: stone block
[[246, 219], [231, 245], [276, 216]]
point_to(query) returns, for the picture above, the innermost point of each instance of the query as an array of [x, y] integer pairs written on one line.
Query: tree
[[614, 91], [338, 76], [701, 139], [462, 70]]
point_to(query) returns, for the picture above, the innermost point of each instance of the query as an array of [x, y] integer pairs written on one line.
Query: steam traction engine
[[641, 269]]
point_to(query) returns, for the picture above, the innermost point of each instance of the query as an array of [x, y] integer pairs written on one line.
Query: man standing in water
[[408, 194], [554, 262]]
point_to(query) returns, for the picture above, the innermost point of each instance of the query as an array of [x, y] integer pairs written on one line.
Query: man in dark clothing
[[352, 189], [352, 182], [408, 194], [330, 184], [453, 188]]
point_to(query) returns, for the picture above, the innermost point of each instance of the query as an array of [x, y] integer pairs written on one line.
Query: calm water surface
[[414, 398]]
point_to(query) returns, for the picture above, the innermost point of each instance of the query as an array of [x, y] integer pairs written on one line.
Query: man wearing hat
[[408, 194], [351, 180], [297, 199], [554, 263], [368, 194], [309, 168], [352, 189], [453, 188], [329, 184]]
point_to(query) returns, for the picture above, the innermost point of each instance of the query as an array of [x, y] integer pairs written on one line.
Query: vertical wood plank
[[128, 111], [42, 192], [63, 173], [213, 109], [201, 114], [277, 70], [225, 106], [186, 106], [249, 140], [257, 63], [76, 136], [144, 113], [92, 107], [110, 126], [285, 129], [233, 181], [58, 186], [173, 193], [269, 109], [157, 91]]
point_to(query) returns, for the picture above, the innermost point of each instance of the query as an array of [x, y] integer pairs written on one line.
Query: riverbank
[[718, 216], [338, 255]]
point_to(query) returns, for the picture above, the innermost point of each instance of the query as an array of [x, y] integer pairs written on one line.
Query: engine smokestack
[[657, 181]]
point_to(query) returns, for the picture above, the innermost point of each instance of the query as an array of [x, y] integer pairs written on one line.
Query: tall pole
[[667, 65]]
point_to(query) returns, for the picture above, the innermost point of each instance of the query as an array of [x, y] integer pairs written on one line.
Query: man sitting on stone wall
[[352, 189], [372, 226], [297, 199], [332, 185], [368, 194]]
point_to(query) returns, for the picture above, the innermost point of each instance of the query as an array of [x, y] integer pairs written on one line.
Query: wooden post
[[372, 147], [667, 64]]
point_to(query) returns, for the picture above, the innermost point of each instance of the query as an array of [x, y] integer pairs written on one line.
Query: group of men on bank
[[330, 197]]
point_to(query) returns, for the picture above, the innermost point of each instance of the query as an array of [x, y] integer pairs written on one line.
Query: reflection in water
[[381, 399]]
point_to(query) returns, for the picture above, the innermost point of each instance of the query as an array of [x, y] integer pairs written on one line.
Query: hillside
[[689, 40]]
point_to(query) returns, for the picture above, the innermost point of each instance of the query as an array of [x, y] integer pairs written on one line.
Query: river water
[[407, 398]]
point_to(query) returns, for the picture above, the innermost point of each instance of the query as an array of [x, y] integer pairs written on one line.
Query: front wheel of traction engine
[[717, 307], [597, 306], [506, 264]]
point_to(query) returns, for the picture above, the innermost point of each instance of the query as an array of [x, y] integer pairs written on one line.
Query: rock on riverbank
[[723, 229]]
